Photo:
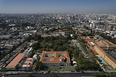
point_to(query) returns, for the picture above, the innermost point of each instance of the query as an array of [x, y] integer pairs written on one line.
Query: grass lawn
[[69, 68], [71, 44], [58, 68], [54, 68]]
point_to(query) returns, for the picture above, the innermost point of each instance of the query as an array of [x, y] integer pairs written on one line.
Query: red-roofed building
[[55, 58], [13, 64], [28, 64], [20, 48], [63, 32]]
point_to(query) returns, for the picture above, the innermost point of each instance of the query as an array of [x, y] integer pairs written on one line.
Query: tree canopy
[[53, 75]]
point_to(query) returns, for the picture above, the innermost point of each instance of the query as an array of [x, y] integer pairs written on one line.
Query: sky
[[58, 6]]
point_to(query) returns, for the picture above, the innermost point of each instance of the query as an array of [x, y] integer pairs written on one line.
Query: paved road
[[82, 50], [60, 74]]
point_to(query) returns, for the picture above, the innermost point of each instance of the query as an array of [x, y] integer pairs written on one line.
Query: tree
[[46, 31], [69, 37], [83, 41], [114, 74], [91, 37], [35, 46], [75, 36], [53, 29], [38, 57], [38, 38], [77, 68], [29, 38], [39, 66], [29, 75], [53, 75], [80, 56], [100, 74]]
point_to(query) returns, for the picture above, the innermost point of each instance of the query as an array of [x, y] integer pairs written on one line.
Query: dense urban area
[[57, 45]]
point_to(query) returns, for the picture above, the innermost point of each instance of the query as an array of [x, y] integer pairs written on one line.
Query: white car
[[44, 73]]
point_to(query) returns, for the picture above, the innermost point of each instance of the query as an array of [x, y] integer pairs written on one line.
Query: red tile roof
[[63, 31], [79, 34], [15, 61], [56, 58], [28, 62], [20, 47]]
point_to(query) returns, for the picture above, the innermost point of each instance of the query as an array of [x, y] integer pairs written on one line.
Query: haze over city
[[58, 6]]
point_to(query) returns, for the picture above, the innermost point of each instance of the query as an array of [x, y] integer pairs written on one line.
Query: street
[[80, 48], [48, 74]]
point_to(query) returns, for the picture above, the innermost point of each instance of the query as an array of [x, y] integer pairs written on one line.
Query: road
[[59, 74], [80, 48]]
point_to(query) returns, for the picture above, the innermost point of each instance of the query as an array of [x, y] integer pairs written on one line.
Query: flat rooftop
[[88, 37], [105, 43], [100, 43]]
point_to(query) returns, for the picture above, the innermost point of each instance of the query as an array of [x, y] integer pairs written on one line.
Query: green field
[[58, 68]]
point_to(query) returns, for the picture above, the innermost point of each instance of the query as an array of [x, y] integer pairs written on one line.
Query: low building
[[28, 64], [105, 44], [63, 32], [47, 35], [6, 36], [82, 30], [55, 58], [13, 64]]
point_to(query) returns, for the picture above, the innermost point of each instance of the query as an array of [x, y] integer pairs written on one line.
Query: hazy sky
[[58, 6]]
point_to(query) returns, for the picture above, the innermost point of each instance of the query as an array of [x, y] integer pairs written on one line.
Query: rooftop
[[20, 47], [15, 61], [28, 62], [63, 31], [88, 37], [105, 43], [54, 56]]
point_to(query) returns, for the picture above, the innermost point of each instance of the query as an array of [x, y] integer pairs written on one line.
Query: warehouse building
[[14, 63]]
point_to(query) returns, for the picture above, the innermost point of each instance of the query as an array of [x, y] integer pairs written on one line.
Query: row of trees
[[39, 66], [82, 43], [84, 63], [87, 34], [29, 75], [54, 75]]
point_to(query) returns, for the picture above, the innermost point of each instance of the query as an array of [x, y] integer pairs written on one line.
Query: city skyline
[[58, 6]]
